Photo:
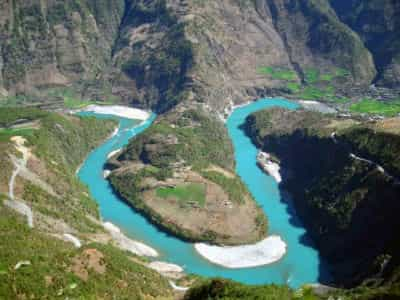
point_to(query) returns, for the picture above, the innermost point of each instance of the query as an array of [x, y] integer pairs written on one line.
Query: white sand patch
[[269, 166], [308, 102], [177, 287], [114, 133], [262, 253], [120, 111], [317, 106], [112, 153], [74, 240], [126, 243], [164, 267]]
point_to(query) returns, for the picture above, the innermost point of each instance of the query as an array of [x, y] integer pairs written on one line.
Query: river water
[[300, 265]]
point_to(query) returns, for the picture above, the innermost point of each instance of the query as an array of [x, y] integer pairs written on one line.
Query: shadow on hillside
[[324, 276]]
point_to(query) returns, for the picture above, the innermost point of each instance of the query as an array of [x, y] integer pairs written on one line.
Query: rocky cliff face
[[344, 186], [378, 25], [158, 53], [55, 43]]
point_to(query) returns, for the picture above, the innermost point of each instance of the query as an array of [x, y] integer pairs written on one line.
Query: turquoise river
[[300, 265]]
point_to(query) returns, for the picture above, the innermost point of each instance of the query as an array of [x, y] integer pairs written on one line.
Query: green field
[[312, 75], [72, 100], [278, 74], [371, 106], [294, 87], [6, 134], [185, 194], [317, 84]]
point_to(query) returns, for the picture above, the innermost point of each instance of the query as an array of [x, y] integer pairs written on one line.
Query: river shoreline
[[119, 111]]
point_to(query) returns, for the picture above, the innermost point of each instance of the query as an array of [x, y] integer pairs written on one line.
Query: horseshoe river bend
[[300, 265]]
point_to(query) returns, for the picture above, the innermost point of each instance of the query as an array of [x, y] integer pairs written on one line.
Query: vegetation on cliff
[[225, 289], [160, 73], [332, 171], [55, 268], [188, 152], [36, 262], [59, 144]]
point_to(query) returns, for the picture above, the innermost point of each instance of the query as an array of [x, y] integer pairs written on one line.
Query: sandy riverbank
[[262, 253], [120, 111], [123, 242], [317, 106], [112, 153]]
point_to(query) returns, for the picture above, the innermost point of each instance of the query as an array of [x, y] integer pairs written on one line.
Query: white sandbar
[[112, 153], [265, 252], [317, 106], [125, 243], [120, 111], [161, 267]]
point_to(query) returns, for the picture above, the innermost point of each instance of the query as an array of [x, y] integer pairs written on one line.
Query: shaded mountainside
[[180, 174], [158, 53], [378, 24], [343, 178]]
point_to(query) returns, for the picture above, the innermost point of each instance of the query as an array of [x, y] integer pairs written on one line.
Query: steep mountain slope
[[378, 24], [55, 43], [63, 250], [226, 45], [315, 38], [343, 176], [158, 53]]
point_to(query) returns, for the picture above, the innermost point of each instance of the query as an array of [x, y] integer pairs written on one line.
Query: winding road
[[19, 164]]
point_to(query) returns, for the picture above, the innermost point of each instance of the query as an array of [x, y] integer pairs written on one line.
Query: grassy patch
[[311, 75], [326, 94], [6, 134], [226, 289], [9, 116], [200, 141], [327, 77], [278, 74], [73, 101], [233, 186], [185, 194], [49, 275], [61, 143], [371, 106], [342, 72], [12, 101], [313, 93], [294, 87]]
